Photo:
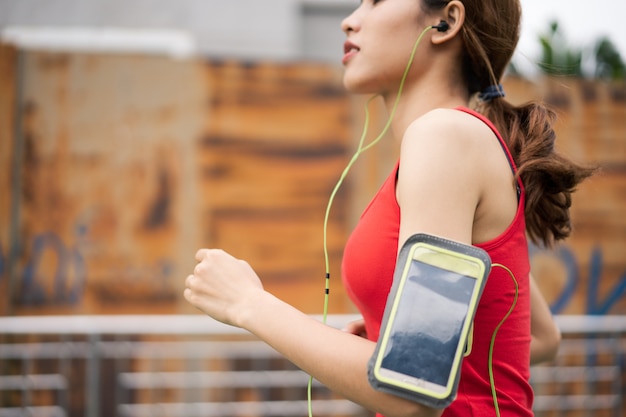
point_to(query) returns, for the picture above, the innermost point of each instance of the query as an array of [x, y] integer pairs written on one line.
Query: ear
[[454, 15]]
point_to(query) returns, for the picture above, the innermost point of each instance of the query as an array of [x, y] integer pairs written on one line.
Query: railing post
[[620, 355], [93, 377], [65, 369], [27, 370]]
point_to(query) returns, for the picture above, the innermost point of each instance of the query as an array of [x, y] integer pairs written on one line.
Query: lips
[[349, 50]]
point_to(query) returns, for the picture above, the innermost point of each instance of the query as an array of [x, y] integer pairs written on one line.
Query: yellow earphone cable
[[493, 339], [359, 151]]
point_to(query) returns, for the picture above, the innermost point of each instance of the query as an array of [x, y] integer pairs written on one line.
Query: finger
[[200, 254], [189, 282], [349, 327]]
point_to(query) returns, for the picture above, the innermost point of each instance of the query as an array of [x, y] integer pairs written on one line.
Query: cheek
[[379, 67]]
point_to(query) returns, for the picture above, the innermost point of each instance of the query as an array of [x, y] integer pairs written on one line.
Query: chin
[[356, 86]]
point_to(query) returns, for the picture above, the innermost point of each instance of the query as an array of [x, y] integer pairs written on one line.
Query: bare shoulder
[[448, 125], [450, 136]]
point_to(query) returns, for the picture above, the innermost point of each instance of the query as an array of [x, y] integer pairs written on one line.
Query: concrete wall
[[244, 29]]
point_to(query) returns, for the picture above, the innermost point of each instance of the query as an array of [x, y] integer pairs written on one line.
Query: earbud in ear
[[443, 26]]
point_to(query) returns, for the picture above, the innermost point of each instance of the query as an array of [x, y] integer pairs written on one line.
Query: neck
[[417, 100]]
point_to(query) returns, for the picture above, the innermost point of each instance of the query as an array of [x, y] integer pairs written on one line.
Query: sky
[[582, 23]]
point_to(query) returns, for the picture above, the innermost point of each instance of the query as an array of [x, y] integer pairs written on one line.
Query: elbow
[[554, 344], [546, 348]]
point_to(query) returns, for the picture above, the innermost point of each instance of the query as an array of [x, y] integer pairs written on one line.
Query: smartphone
[[428, 319]]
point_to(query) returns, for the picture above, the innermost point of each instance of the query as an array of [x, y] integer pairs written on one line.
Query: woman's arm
[[438, 180], [545, 335], [229, 290]]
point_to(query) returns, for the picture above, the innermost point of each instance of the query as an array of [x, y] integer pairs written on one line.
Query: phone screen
[[426, 329]]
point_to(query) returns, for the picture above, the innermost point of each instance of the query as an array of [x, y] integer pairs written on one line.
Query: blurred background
[[134, 132]]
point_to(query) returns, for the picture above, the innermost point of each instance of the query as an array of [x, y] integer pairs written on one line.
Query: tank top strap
[[505, 148]]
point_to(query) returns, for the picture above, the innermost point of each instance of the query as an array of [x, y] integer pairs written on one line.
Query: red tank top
[[367, 272]]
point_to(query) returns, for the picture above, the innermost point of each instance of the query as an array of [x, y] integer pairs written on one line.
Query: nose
[[350, 23]]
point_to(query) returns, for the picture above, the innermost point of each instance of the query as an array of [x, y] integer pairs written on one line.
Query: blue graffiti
[[68, 260], [65, 283], [573, 278], [594, 305]]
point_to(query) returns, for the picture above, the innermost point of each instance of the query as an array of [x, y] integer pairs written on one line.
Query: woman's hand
[[356, 327], [222, 286]]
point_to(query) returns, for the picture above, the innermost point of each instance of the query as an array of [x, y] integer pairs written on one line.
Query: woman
[[456, 179]]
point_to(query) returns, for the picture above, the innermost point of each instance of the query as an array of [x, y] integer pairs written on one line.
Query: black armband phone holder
[[427, 323]]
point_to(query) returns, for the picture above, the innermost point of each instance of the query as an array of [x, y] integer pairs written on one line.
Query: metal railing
[[180, 365], [190, 365], [588, 376]]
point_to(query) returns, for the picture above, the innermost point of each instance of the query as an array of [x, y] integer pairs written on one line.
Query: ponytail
[[549, 178]]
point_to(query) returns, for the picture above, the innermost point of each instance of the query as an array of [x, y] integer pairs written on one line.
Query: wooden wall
[[107, 145], [276, 140], [131, 163], [8, 71]]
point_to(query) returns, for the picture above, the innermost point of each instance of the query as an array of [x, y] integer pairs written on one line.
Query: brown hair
[[490, 34]]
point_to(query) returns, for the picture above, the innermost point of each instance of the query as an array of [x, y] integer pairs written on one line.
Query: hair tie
[[491, 92]]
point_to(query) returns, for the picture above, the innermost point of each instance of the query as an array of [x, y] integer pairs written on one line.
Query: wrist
[[251, 312]]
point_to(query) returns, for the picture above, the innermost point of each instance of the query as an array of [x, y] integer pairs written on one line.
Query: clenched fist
[[222, 286]]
